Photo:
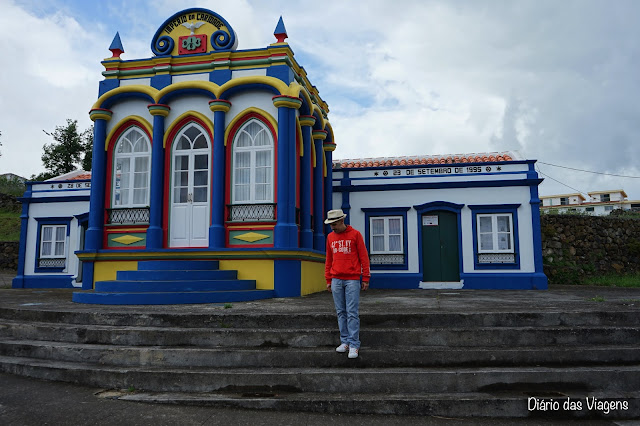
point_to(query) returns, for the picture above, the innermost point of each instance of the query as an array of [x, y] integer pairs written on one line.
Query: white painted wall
[[190, 77], [51, 210], [124, 110], [242, 101], [466, 196], [249, 73]]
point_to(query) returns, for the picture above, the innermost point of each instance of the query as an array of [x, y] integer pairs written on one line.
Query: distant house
[[599, 203], [11, 176]]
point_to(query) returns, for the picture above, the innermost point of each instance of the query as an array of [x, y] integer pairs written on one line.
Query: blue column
[[156, 197], [220, 107], [18, 281], [540, 280], [306, 191], [318, 193], [346, 204], [94, 235], [286, 231], [328, 182]]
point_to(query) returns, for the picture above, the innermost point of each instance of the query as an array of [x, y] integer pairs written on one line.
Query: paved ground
[[559, 299], [26, 401]]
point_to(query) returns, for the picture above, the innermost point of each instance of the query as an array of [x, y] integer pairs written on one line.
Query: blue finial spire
[[116, 46], [281, 31]]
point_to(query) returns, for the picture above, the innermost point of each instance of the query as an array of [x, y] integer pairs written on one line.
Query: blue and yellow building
[[205, 152], [212, 170]]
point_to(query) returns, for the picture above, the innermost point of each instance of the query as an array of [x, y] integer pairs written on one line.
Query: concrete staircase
[[158, 282], [438, 364]]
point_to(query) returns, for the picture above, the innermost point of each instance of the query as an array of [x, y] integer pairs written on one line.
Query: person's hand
[[329, 287], [365, 285]]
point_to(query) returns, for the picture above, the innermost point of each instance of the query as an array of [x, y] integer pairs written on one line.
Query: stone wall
[[9, 255], [575, 247], [9, 202]]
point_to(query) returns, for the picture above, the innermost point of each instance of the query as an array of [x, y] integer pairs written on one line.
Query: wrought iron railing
[[128, 215], [251, 212], [51, 262], [488, 258]]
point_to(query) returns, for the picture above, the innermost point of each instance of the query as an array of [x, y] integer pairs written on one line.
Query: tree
[[70, 150], [87, 146], [11, 186]]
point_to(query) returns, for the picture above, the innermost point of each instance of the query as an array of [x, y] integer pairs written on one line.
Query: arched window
[[131, 169], [253, 164]]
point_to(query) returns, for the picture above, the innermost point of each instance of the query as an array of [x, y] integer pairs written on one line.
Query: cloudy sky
[[558, 81]]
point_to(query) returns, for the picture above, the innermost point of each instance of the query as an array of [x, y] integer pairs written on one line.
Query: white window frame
[[494, 232], [252, 165], [132, 156], [53, 242], [386, 234]]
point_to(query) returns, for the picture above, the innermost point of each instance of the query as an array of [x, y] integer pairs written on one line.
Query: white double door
[[189, 221]]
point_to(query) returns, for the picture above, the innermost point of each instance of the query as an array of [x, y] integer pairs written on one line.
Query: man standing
[[347, 260]]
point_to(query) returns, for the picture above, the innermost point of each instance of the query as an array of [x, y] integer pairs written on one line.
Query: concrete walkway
[[25, 401], [558, 299]]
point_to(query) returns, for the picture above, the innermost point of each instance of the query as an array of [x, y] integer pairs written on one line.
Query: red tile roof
[[84, 176], [425, 160]]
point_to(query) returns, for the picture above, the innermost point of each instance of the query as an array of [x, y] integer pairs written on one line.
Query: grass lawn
[[9, 226], [615, 281]]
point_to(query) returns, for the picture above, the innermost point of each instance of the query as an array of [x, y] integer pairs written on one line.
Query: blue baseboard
[[395, 281], [489, 281], [524, 281], [43, 281]]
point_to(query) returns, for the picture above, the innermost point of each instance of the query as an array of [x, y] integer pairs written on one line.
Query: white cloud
[[556, 80]]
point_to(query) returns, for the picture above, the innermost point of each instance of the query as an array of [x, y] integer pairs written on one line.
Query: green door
[[440, 258]]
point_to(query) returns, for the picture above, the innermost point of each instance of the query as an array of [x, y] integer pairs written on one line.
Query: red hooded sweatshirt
[[347, 256]]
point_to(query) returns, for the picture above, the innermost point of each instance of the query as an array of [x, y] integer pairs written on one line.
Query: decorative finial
[[116, 46], [280, 32]]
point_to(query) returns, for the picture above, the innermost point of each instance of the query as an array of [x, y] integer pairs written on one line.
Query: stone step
[[225, 335], [528, 403], [340, 381], [178, 265], [320, 357], [325, 318], [173, 275], [173, 286], [171, 297]]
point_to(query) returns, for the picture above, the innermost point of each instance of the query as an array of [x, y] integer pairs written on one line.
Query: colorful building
[[458, 221], [212, 169]]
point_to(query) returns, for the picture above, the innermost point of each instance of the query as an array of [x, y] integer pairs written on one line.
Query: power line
[[587, 171], [561, 183]]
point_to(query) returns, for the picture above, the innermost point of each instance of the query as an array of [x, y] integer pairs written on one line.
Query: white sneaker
[[353, 353], [342, 348]]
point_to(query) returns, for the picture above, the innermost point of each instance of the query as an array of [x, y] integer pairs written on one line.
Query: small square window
[[495, 233]]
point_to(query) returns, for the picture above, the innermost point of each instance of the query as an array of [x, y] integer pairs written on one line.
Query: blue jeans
[[346, 297]]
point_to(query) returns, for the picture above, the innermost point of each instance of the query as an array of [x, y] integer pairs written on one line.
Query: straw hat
[[334, 216]]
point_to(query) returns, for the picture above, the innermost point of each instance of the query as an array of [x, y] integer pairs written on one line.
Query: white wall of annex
[[466, 196], [54, 210]]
